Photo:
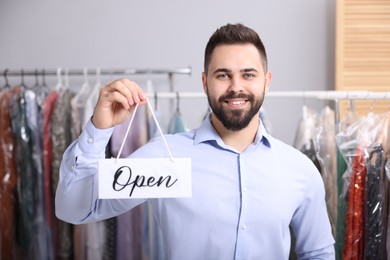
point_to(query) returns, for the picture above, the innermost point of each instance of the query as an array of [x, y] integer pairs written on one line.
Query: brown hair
[[234, 34]]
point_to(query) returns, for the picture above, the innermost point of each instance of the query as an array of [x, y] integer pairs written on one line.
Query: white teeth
[[237, 102]]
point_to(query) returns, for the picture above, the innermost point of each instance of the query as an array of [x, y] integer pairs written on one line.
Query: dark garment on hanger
[[110, 227], [310, 152], [60, 132], [27, 173], [341, 206], [8, 178], [42, 242], [354, 233], [375, 211]]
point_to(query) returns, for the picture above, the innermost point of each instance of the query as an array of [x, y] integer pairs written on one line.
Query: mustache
[[230, 95]]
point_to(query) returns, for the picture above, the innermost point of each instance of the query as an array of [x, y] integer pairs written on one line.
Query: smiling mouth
[[236, 102]]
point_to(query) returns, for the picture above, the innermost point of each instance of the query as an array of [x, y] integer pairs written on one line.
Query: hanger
[[98, 80], [304, 107], [44, 78], [155, 101], [59, 79], [36, 84], [177, 102], [7, 85], [66, 78], [81, 97], [22, 84]]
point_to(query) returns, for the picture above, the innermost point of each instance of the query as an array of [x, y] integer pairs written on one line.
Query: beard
[[235, 119]]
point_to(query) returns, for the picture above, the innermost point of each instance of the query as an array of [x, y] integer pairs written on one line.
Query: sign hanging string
[[157, 124]]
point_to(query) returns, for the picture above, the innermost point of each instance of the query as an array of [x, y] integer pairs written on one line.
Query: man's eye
[[248, 75], [222, 76]]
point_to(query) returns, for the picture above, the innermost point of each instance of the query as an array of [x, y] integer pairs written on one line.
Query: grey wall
[[299, 37]]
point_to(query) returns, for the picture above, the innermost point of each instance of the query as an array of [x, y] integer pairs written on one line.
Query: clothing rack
[[59, 72], [81, 72], [322, 95], [336, 96]]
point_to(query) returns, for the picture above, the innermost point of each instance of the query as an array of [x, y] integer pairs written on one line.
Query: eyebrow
[[228, 70]]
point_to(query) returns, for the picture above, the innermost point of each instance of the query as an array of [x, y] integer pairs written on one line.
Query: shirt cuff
[[93, 141]]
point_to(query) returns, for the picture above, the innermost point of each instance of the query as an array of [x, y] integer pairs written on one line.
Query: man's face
[[235, 84]]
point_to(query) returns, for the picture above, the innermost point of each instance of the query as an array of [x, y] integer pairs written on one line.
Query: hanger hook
[[59, 78], [98, 80], [6, 78], [85, 75], [177, 101], [66, 76], [36, 77], [155, 100], [43, 77], [22, 78]]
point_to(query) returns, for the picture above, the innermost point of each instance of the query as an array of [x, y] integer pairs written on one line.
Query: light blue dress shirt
[[241, 206]]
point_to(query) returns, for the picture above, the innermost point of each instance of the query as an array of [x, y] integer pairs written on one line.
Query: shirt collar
[[206, 132]]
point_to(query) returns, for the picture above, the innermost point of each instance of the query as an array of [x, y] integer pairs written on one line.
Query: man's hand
[[116, 102]]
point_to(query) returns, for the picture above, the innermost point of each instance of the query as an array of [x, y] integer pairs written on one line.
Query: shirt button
[[245, 189], [243, 227], [90, 140]]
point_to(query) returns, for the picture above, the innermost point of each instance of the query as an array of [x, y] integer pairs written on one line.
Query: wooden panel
[[363, 50]]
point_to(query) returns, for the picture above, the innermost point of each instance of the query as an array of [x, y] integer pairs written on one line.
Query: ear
[[204, 82], [268, 79]]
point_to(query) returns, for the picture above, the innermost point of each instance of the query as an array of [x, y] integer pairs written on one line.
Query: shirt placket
[[243, 227]]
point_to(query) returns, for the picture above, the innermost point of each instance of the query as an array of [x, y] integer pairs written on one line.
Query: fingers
[[124, 91], [116, 102]]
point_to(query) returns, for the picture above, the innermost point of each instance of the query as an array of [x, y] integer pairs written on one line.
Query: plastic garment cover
[[131, 239], [387, 172], [325, 147], [304, 136], [177, 124], [153, 243], [26, 186], [8, 178], [375, 208], [61, 138], [363, 191], [42, 242], [349, 119], [341, 206]]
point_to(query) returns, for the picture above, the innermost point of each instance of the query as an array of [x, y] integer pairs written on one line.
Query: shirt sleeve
[[311, 224], [76, 199]]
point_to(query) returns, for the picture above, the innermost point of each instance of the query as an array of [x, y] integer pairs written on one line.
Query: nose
[[235, 85]]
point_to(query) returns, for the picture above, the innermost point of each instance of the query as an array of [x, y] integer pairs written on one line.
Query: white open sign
[[144, 178]]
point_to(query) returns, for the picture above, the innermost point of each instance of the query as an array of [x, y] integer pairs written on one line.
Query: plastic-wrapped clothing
[[375, 209], [79, 231], [387, 171], [60, 138], [349, 119], [48, 105], [353, 241], [129, 235], [303, 140], [325, 147], [42, 242], [27, 173], [110, 227], [154, 244], [341, 206], [356, 142], [89, 240], [177, 124], [8, 177]]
